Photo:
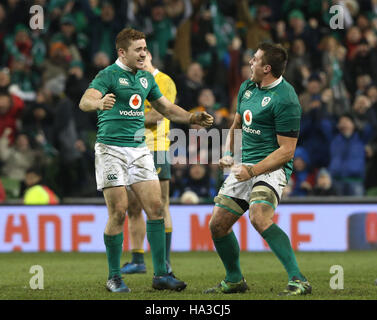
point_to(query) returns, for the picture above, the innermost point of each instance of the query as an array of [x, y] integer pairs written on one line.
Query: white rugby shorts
[[122, 166], [242, 190]]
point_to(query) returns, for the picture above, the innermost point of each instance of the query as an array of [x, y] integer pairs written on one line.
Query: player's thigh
[[261, 215], [134, 207], [149, 195], [116, 200], [222, 222]]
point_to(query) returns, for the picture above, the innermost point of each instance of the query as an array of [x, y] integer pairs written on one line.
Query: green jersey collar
[[123, 66], [273, 84]]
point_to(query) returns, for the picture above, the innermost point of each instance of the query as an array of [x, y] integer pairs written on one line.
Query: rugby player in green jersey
[[122, 158], [268, 112]]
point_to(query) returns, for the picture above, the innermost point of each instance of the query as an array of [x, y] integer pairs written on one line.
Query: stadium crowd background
[[205, 47]]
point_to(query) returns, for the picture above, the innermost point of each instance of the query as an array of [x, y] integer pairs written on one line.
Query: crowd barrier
[[311, 226]]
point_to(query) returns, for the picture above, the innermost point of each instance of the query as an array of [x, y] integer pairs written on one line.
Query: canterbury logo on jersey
[[252, 131], [131, 113]]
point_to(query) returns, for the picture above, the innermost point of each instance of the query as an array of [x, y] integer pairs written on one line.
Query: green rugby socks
[[137, 256], [168, 245], [281, 246], [113, 252], [157, 241], [229, 251]]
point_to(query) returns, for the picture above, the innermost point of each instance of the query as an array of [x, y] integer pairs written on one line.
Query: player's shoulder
[[287, 93], [247, 85]]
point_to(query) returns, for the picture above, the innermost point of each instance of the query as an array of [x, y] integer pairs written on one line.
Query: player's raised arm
[[92, 100], [152, 117], [179, 115], [227, 161]]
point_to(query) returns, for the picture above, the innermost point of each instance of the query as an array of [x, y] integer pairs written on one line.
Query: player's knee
[[134, 212], [216, 228], [259, 218], [118, 213], [155, 209]]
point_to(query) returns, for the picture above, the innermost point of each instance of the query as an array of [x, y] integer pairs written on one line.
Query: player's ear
[[267, 68], [121, 52]]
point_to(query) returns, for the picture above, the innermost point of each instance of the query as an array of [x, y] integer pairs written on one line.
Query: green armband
[[228, 153]]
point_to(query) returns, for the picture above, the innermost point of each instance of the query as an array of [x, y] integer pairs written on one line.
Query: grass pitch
[[77, 276]]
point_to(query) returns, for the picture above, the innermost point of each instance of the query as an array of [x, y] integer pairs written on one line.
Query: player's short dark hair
[[274, 55], [124, 38]]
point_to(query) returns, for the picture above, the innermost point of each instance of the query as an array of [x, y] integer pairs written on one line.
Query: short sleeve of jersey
[[102, 82], [155, 92], [287, 116]]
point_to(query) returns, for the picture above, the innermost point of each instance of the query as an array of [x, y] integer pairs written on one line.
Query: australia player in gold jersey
[[156, 138]]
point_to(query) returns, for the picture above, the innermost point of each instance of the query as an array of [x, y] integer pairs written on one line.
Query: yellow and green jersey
[[267, 112], [123, 125], [157, 138]]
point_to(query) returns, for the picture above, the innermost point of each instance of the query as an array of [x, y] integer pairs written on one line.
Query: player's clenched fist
[[226, 162], [107, 102], [201, 118]]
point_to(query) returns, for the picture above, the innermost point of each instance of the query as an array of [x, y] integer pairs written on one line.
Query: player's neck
[[123, 64], [267, 80]]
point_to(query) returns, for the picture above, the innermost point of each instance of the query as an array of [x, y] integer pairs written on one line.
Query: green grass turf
[[83, 276]]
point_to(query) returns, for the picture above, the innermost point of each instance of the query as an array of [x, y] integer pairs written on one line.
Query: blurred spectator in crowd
[[347, 159], [56, 66], [103, 28], [76, 43], [207, 102], [365, 117], [316, 125], [371, 165], [323, 186], [36, 192], [299, 66], [195, 39], [189, 86], [37, 120], [162, 33], [178, 10], [200, 182], [19, 158], [258, 29], [189, 197], [10, 111], [100, 61], [298, 28], [333, 56], [363, 61], [302, 177], [363, 81], [4, 79]]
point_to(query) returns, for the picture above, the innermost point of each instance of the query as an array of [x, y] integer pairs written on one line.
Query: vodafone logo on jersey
[[135, 101], [247, 117]]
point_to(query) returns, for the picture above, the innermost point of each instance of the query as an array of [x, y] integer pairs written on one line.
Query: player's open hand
[[241, 173], [226, 162], [202, 118], [107, 102]]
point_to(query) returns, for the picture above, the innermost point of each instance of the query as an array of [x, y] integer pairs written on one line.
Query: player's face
[[134, 56], [258, 70]]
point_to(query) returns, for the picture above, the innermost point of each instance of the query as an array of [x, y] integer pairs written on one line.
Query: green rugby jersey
[[123, 125], [266, 112]]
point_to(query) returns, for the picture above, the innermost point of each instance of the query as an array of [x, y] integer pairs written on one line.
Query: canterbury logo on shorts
[[112, 176]]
